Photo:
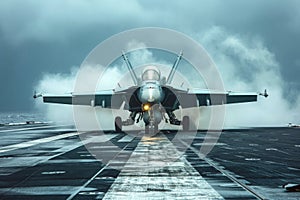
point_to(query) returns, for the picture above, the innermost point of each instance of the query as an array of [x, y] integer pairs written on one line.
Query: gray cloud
[[38, 37]]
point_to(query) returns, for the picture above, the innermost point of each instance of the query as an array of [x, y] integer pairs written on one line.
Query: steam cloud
[[56, 84], [244, 63], [247, 65]]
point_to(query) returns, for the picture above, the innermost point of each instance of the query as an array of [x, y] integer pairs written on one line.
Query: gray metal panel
[[207, 99], [104, 101], [236, 98], [58, 99]]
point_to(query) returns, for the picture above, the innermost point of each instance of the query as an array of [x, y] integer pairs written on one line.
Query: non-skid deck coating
[[156, 170], [54, 163]]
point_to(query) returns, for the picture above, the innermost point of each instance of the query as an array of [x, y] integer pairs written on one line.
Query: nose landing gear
[[152, 117], [151, 129]]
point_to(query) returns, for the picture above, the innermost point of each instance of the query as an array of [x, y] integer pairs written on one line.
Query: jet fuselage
[[150, 90]]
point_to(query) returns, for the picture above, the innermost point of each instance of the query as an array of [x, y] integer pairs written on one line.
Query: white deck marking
[[156, 170], [84, 186], [35, 142], [12, 147], [25, 161], [42, 190], [32, 128], [126, 138]]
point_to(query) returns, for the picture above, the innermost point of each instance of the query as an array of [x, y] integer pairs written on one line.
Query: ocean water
[[21, 117]]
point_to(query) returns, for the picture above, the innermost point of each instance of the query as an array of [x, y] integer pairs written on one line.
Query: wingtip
[[36, 95], [264, 94]]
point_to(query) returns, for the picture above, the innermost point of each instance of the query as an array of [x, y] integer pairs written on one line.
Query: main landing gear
[[185, 123], [151, 126], [118, 124]]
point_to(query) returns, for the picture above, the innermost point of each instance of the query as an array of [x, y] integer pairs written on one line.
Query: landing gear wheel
[[151, 130], [155, 128], [185, 123], [118, 124], [147, 129]]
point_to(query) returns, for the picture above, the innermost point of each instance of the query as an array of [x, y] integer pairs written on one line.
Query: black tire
[[155, 128], [118, 124], [185, 123]]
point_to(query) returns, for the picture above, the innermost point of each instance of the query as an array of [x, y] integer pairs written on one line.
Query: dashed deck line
[[156, 170]]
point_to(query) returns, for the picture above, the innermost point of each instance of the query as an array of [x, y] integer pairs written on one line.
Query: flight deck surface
[[52, 162]]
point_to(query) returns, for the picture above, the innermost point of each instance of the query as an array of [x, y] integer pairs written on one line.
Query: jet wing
[[101, 98], [203, 97], [106, 99], [207, 97]]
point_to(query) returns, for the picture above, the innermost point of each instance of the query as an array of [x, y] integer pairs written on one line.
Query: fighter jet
[[152, 98]]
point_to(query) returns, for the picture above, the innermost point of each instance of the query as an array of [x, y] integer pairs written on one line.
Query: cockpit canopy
[[151, 73]]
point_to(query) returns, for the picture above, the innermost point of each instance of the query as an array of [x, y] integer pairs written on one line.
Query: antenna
[[174, 67], [129, 66]]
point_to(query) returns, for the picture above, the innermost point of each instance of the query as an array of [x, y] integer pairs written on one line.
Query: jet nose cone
[[150, 93], [153, 94], [151, 99]]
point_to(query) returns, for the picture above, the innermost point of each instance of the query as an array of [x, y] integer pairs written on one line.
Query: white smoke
[[60, 84], [56, 84], [247, 65]]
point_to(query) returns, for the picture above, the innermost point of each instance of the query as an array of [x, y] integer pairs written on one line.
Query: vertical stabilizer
[[174, 67], [132, 73]]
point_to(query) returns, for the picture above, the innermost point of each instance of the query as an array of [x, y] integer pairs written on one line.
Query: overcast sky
[[52, 36]]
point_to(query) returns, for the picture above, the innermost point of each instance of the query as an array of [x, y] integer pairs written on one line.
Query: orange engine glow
[[146, 107]]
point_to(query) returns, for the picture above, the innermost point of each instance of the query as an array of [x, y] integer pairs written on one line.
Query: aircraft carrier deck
[[52, 162]]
